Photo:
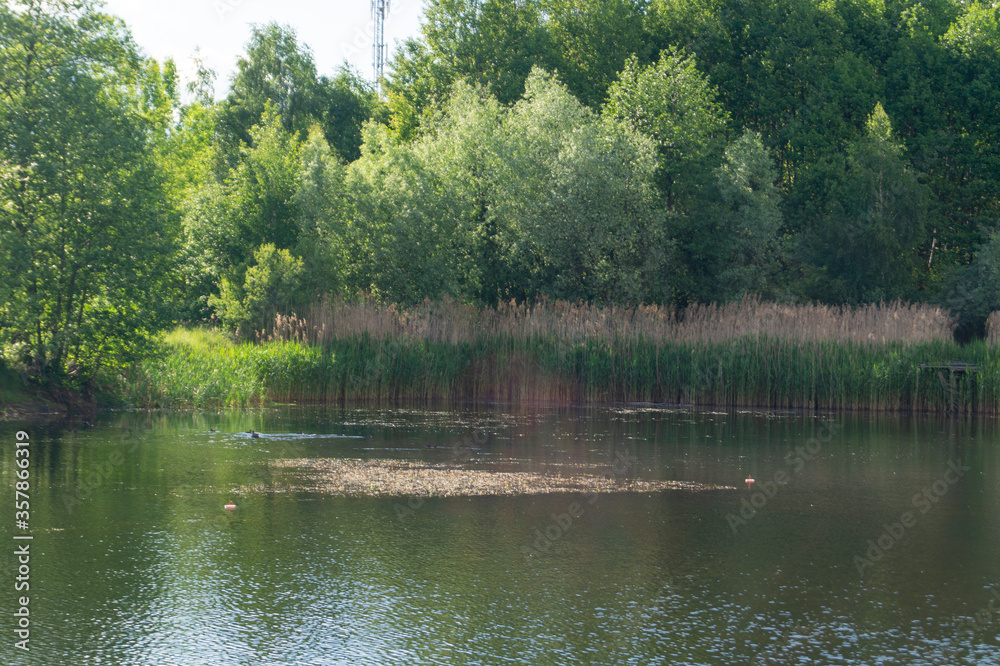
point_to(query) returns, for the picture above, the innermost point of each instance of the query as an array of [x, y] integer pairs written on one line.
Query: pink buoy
[[230, 506], [749, 480]]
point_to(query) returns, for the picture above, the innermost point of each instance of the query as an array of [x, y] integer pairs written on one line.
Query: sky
[[335, 30]]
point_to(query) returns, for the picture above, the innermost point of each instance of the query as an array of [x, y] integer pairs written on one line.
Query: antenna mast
[[380, 52]]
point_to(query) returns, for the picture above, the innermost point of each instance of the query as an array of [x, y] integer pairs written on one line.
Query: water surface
[[135, 561]]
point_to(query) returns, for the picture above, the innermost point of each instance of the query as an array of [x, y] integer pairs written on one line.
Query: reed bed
[[750, 354], [449, 321], [196, 368], [993, 328]]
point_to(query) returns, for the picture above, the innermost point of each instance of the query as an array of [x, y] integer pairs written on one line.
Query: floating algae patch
[[387, 478]]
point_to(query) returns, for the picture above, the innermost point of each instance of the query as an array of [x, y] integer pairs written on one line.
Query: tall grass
[[993, 328], [568, 322], [749, 354], [198, 367]]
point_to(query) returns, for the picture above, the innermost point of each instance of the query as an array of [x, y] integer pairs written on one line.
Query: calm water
[[870, 549]]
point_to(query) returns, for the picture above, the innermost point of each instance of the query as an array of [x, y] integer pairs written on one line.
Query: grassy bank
[[565, 354]]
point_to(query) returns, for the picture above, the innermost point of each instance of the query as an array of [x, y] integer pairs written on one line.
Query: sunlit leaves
[[675, 105], [89, 245]]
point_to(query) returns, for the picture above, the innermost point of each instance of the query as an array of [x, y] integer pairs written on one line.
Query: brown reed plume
[[450, 321], [993, 328]]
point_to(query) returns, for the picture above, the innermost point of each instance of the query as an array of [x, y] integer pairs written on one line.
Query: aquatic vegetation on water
[[389, 478]]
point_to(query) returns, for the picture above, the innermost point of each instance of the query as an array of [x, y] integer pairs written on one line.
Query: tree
[[867, 246], [87, 244], [275, 71], [405, 220], [466, 147], [494, 43], [254, 206], [578, 205], [202, 87], [677, 107], [751, 246], [973, 292], [418, 81], [324, 218], [271, 285], [491, 203], [279, 72], [591, 40], [959, 154], [344, 103]]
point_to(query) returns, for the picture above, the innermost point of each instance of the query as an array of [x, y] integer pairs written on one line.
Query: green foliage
[[199, 370], [262, 187], [324, 218], [580, 217], [254, 206], [87, 245], [867, 246], [492, 203], [419, 81], [973, 292], [752, 249], [346, 101], [279, 73], [404, 233], [976, 32], [679, 150], [494, 43], [802, 74], [202, 86], [750, 371], [271, 285], [677, 107], [592, 40]]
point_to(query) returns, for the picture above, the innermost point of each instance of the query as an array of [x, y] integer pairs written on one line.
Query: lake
[[864, 540]]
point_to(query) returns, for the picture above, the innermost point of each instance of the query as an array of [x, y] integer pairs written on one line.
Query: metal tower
[[380, 52]]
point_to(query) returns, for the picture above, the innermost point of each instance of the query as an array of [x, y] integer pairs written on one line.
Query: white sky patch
[[335, 30]]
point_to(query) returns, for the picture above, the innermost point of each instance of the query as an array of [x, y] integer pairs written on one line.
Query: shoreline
[[742, 373]]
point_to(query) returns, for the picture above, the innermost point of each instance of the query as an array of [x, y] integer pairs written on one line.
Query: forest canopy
[[607, 151]]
